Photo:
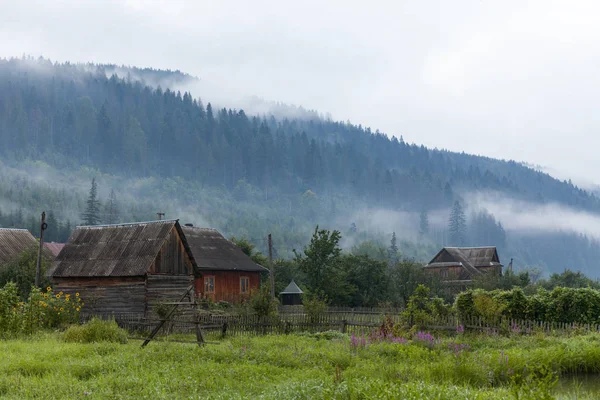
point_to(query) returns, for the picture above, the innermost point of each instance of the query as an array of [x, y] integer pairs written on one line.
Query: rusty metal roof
[[114, 250], [213, 252], [13, 242]]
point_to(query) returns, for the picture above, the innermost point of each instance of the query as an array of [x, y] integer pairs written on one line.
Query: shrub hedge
[[563, 305]]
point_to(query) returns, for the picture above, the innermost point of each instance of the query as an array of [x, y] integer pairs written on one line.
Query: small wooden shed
[[125, 268], [224, 272], [291, 295]]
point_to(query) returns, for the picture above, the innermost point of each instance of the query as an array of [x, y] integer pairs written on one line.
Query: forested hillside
[[160, 150]]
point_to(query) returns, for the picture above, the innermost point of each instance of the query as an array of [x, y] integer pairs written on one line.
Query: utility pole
[[160, 215], [38, 270], [271, 267]]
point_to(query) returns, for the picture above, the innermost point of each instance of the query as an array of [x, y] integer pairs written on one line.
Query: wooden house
[[14, 242], [225, 272], [125, 268], [461, 264]]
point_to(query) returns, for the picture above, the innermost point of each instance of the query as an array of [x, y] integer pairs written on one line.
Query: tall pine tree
[[393, 249], [457, 226], [112, 209], [91, 216]]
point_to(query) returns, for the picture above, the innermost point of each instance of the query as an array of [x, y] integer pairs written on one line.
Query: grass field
[[301, 367]]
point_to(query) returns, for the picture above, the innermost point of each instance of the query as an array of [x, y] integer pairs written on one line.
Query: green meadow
[[310, 366]]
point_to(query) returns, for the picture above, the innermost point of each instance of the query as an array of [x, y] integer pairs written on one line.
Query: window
[[244, 284], [209, 284]]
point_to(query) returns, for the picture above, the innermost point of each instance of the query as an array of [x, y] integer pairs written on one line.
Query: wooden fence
[[359, 324]]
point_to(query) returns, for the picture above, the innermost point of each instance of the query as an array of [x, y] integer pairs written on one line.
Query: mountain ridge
[[290, 172]]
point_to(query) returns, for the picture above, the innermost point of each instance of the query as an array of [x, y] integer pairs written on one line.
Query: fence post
[[343, 324], [224, 329]]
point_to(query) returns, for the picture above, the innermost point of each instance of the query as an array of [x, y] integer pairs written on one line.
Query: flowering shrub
[[377, 336], [358, 342], [41, 310], [458, 348], [425, 338]]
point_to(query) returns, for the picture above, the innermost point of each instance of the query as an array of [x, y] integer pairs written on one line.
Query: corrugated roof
[[54, 247], [213, 252], [113, 250], [13, 242], [292, 288]]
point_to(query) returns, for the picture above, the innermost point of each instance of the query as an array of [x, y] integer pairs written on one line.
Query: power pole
[[271, 267], [38, 270]]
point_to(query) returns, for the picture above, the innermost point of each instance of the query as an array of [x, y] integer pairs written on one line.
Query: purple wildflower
[[425, 338]]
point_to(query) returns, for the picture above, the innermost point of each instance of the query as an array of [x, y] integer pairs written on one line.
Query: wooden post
[[343, 324], [199, 336], [224, 330], [271, 272], [38, 269]]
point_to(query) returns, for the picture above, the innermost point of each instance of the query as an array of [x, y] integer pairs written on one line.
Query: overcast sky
[[508, 79]]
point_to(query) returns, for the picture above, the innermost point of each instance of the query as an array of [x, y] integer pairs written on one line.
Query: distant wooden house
[[14, 242], [291, 295], [225, 272], [125, 268], [461, 264]]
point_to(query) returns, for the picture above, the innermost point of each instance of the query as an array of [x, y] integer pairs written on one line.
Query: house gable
[[125, 250]]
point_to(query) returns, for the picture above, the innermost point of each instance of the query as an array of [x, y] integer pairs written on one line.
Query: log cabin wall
[[106, 296], [227, 285]]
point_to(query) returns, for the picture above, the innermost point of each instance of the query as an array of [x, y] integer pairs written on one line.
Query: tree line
[[70, 116]]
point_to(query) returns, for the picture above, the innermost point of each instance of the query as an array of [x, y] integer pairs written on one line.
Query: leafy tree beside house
[[322, 267]]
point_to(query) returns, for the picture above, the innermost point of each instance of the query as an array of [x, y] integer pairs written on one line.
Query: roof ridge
[[14, 229], [474, 247], [127, 223], [200, 227]]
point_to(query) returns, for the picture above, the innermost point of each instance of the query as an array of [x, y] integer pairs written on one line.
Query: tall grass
[[291, 367]]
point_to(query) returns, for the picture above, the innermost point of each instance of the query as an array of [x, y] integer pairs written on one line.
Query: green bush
[[263, 304], [314, 305], [95, 331]]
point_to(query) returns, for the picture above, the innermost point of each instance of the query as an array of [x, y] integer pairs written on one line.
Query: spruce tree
[[393, 249], [457, 225], [112, 209], [91, 216]]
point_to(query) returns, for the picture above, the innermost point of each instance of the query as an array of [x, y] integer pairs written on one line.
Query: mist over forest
[[155, 140]]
